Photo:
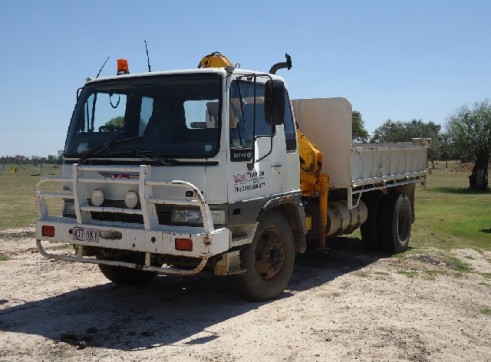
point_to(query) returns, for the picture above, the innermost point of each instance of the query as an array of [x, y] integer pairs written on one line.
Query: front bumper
[[204, 245], [140, 240]]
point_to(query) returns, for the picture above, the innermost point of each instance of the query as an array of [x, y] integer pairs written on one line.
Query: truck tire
[[269, 259], [126, 276], [395, 226], [370, 230]]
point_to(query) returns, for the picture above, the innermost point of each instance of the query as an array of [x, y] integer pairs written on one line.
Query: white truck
[[217, 169]]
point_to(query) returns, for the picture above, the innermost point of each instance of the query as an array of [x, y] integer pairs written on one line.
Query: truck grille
[[163, 214]]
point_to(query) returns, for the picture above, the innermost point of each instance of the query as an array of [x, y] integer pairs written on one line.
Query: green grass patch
[[409, 274], [382, 273], [432, 274], [361, 274], [4, 258], [456, 190], [486, 311], [486, 275], [456, 264]]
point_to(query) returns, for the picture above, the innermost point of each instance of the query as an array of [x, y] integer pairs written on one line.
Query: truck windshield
[[170, 116]]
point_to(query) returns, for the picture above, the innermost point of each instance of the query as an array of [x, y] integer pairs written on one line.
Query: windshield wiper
[[108, 144], [156, 157]]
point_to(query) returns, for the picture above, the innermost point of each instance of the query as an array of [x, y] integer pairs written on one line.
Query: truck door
[[291, 163], [255, 167]]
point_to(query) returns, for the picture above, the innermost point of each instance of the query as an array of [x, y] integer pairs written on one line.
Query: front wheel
[[125, 276], [269, 259]]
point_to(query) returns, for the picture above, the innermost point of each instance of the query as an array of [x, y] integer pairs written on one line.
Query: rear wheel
[[395, 227], [125, 276], [370, 230], [269, 259]]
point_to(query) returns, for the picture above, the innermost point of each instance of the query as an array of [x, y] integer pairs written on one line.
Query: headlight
[[186, 216], [193, 216]]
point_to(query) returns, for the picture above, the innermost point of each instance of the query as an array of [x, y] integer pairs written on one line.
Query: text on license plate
[[85, 234]]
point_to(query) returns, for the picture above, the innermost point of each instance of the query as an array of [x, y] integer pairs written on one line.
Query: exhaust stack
[[281, 65]]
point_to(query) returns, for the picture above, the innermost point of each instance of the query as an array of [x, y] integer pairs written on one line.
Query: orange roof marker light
[[123, 67]]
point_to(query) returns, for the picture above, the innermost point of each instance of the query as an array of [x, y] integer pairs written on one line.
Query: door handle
[[276, 165]]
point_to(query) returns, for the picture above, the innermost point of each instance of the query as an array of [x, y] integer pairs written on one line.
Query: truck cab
[[174, 169]]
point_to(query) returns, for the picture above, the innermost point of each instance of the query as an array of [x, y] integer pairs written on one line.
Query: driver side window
[[104, 113], [247, 118]]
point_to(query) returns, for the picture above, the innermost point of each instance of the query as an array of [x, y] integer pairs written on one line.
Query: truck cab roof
[[220, 71]]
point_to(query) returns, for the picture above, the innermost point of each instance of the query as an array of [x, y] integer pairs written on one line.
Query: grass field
[[18, 206], [447, 214]]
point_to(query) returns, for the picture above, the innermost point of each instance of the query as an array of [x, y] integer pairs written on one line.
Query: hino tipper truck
[[217, 169]]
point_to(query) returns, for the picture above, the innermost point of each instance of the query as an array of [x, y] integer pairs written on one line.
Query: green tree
[[359, 133], [470, 131], [390, 131], [117, 122], [399, 131]]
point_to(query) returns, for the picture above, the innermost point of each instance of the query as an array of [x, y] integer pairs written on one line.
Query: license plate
[[85, 234]]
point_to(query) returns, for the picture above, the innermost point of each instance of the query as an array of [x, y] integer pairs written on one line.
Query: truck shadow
[[168, 310], [343, 255]]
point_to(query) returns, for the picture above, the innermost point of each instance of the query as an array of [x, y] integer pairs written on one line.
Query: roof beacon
[[123, 67]]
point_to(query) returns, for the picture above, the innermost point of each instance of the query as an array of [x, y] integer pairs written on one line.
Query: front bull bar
[[147, 201]]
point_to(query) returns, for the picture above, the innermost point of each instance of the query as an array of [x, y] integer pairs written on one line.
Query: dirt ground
[[341, 306]]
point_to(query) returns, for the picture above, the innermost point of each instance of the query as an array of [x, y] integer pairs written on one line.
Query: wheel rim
[[270, 254]]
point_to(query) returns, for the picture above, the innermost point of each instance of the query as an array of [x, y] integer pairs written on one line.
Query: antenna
[[148, 58], [100, 70]]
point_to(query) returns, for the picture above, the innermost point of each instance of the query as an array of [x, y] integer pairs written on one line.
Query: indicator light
[[184, 244], [48, 230]]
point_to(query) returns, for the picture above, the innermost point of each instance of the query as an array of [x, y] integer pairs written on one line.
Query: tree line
[[36, 160]]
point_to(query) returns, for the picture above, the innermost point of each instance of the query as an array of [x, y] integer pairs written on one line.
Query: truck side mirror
[[274, 102]]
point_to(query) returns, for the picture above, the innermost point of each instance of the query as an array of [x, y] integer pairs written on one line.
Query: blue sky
[[397, 59]]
